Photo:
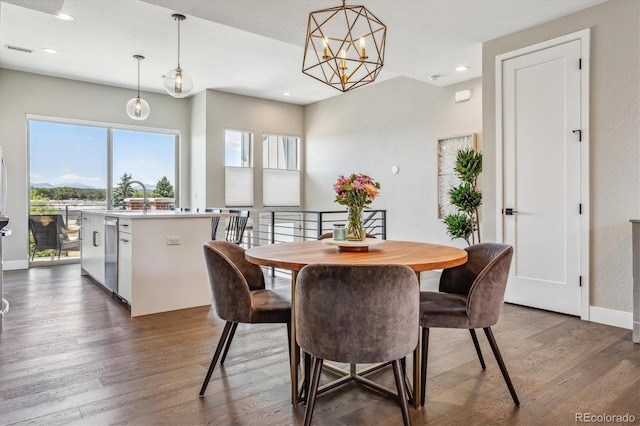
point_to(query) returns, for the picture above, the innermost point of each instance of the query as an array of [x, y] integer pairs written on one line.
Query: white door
[[541, 177]]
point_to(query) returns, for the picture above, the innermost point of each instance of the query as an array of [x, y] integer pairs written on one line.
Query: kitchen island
[[160, 263]]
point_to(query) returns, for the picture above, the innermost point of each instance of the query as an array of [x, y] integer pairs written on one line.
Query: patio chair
[[50, 233]]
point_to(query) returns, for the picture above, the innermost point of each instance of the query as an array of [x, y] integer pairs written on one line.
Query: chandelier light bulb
[[178, 81]]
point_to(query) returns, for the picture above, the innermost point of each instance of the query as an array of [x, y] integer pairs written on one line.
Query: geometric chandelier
[[344, 47]]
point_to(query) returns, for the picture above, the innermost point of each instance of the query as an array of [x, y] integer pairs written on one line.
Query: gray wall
[[613, 130], [229, 111], [25, 93], [369, 130]]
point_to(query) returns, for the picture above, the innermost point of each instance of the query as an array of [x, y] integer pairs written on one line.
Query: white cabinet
[[125, 256], [161, 263], [165, 264], [93, 246]]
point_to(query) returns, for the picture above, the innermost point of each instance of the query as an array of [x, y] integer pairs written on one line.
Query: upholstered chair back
[[231, 277], [357, 314], [483, 280]]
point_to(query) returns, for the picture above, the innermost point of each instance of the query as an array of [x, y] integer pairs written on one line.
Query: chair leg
[[423, 373], [313, 391], [403, 364], [221, 342], [402, 391], [289, 340], [307, 375], [503, 367], [478, 351], [229, 339]]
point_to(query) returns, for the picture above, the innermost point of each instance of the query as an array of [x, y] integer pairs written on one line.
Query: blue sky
[[66, 153]]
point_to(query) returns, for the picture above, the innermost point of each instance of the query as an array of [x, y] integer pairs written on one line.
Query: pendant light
[[176, 82], [138, 108], [344, 47]]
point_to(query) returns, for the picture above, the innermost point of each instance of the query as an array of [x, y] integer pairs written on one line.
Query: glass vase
[[354, 224]]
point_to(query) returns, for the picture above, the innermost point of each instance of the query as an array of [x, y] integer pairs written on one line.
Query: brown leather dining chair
[[357, 314], [470, 296], [239, 296]]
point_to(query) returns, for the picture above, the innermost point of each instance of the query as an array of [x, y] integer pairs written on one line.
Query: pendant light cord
[[138, 78], [178, 42]]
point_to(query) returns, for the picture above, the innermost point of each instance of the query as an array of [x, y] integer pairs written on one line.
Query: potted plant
[[466, 198]]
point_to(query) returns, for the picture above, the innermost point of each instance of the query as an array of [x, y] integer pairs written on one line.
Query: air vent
[[19, 49]]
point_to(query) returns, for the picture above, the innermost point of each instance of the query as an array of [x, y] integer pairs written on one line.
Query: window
[[238, 148], [238, 168], [148, 158], [281, 174], [280, 152], [83, 164]]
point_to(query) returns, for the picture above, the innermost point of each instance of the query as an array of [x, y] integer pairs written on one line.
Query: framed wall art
[[447, 151]]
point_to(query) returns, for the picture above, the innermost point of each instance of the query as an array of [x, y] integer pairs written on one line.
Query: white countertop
[[155, 214]]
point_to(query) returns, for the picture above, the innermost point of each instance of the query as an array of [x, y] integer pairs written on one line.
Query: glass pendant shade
[[178, 83], [138, 109]]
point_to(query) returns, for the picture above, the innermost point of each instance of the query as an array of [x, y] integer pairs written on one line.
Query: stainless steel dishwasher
[[111, 253]]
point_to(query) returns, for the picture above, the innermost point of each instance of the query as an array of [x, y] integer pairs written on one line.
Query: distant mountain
[[61, 185], [149, 186]]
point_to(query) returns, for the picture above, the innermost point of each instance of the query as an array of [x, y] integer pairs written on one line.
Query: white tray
[[352, 245]]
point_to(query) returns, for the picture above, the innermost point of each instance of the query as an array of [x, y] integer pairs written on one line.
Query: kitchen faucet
[[144, 193]]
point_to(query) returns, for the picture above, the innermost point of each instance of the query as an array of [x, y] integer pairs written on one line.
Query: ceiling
[[252, 47]]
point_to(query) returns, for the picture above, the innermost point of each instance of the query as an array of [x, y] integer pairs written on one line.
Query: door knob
[[510, 212]]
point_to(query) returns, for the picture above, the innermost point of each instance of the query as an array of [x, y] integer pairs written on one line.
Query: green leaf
[[465, 198], [468, 165], [459, 226]]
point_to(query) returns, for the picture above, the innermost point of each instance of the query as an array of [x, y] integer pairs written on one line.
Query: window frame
[[239, 173], [265, 136], [109, 126]]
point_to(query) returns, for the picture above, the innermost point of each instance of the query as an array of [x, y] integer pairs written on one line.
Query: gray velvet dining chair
[[239, 296], [357, 314], [470, 296]]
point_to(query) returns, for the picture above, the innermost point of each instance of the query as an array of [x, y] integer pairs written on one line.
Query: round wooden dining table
[[296, 255]]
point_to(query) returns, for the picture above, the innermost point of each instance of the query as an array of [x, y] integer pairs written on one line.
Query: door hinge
[[580, 281], [579, 132], [580, 63], [580, 208]]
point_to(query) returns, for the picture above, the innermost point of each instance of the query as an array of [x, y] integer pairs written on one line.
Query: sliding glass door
[[74, 167]]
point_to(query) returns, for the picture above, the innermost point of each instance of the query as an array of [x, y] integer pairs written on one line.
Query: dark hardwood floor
[[69, 354]]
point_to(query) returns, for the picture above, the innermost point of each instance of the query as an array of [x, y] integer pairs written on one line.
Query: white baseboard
[[14, 265], [611, 317]]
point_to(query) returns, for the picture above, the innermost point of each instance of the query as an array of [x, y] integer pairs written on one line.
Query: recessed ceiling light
[[434, 77], [49, 50], [462, 68], [286, 94], [64, 17]]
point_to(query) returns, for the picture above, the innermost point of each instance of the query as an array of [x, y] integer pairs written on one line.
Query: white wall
[[369, 130], [198, 163], [237, 112], [25, 93], [614, 134]]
